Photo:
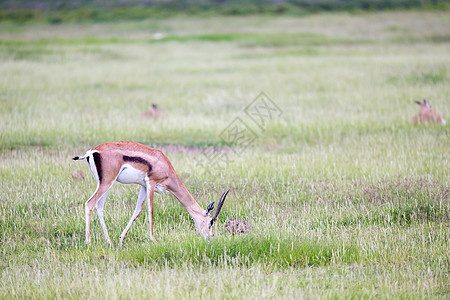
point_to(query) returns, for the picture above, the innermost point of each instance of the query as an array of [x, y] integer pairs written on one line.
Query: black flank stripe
[[98, 164], [139, 160]]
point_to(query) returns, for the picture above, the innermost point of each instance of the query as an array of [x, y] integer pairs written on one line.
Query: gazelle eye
[[211, 223]]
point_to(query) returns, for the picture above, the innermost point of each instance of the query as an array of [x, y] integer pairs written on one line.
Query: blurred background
[[114, 10], [346, 197]]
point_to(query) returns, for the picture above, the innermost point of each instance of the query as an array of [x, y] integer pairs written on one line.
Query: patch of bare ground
[[236, 226]]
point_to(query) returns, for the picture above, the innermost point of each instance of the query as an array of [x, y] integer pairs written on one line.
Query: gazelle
[[154, 112], [426, 115], [130, 162]]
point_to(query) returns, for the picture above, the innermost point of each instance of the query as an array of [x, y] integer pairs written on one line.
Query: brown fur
[[154, 112], [426, 115], [111, 157]]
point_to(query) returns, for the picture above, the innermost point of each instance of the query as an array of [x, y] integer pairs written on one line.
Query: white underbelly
[[128, 174]]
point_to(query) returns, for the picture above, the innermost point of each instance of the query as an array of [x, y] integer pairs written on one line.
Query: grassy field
[[345, 197]]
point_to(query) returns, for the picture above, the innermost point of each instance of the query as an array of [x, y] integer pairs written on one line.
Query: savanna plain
[[346, 198]]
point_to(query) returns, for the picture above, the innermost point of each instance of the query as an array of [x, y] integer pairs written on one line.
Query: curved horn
[[219, 206]]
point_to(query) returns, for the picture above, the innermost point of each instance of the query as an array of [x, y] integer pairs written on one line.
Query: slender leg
[[100, 204], [101, 190], [150, 193], [137, 210]]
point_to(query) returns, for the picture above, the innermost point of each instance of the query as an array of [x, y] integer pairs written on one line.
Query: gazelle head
[[424, 105], [206, 228]]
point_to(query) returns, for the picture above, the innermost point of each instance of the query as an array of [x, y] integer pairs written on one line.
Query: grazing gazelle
[[130, 162], [426, 115]]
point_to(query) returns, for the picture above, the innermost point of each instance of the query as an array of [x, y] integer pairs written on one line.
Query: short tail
[[80, 157], [88, 153]]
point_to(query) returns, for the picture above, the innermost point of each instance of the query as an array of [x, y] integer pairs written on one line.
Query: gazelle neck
[[182, 194], [195, 211]]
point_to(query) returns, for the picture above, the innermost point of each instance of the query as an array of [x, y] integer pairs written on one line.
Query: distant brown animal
[[235, 226], [426, 115], [154, 112]]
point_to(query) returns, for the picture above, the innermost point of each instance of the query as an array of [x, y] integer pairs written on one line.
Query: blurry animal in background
[[426, 115], [235, 226], [154, 112], [77, 174]]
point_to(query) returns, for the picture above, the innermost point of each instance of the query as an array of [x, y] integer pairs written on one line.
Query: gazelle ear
[[418, 102], [210, 208]]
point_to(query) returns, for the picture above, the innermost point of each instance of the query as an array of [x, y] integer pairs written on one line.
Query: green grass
[[345, 197], [51, 12]]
